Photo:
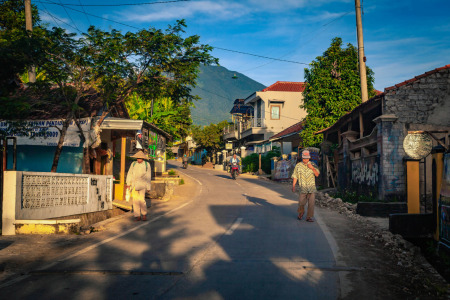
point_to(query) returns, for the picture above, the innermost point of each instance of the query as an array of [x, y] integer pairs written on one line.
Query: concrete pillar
[[243, 152]]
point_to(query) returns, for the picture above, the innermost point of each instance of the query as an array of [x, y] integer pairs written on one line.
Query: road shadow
[[256, 250]]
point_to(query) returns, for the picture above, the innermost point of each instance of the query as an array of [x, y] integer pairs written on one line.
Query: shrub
[[181, 181], [354, 197], [172, 172], [251, 162]]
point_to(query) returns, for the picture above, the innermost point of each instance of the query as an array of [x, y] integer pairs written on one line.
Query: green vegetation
[[209, 137], [181, 181], [332, 90], [218, 90], [172, 173], [152, 68], [251, 162], [354, 197]]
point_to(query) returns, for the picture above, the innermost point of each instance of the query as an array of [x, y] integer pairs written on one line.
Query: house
[[391, 146], [116, 134], [263, 114], [289, 138]]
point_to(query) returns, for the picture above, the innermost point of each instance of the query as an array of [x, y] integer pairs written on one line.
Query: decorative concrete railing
[[40, 196], [254, 122]]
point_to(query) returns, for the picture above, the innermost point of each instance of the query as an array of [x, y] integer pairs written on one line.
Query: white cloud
[[53, 19], [213, 9]]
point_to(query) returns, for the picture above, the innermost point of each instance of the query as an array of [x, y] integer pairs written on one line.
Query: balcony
[[253, 126], [231, 132]]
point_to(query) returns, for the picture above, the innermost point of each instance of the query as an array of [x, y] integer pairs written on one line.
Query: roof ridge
[[416, 78]]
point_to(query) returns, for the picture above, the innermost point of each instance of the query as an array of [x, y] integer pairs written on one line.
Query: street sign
[[229, 146]]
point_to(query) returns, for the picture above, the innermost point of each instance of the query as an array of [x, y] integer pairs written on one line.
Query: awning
[[129, 124], [121, 124], [255, 142]]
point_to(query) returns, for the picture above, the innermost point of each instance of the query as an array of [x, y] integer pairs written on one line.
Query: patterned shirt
[[306, 178]]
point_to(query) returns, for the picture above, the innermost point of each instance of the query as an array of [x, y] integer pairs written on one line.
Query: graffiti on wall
[[365, 172], [444, 203]]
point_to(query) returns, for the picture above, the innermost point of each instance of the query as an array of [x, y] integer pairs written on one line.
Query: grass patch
[[181, 181], [354, 197], [172, 172]]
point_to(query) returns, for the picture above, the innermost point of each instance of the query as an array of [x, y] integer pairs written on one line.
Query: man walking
[[138, 181], [305, 173]]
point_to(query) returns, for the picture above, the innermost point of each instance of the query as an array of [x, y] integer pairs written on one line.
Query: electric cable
[[232, 99], [122, 4], [69, 16], [84, 11], [303, 44], [106, 19]]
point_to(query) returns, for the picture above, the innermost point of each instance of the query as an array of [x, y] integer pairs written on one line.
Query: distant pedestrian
[[138, 182], [305, 173]]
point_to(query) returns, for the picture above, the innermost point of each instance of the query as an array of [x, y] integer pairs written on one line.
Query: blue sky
[[402, 39]]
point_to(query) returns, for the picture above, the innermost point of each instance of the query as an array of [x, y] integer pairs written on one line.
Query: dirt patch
[[388, 266]]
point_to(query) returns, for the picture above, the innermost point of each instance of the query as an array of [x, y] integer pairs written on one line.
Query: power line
[[266, 57], [56, 18], [69, 16], [106, 19], [122, 4], [232, 99], [305, 43], [87, 17]]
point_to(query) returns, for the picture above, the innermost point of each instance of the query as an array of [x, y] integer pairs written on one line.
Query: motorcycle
[[185, 164], [234, 170]]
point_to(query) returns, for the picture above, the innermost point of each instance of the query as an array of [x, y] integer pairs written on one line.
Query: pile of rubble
[[406, 254]]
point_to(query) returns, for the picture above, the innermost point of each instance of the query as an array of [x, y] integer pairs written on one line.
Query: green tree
[[112, 66], [19, 49], [209, 137], [332, 89], [163, 112]]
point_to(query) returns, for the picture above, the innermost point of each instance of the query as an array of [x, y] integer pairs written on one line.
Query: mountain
[[218, 90]]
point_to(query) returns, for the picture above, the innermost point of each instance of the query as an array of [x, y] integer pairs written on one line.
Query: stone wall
[[422, 103]]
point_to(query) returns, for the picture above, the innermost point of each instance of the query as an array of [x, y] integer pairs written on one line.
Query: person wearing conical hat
[[138, 181]]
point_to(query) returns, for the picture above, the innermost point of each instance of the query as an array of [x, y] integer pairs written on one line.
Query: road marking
[[234, 226], [20, 278], [191, 177], [120, 235]]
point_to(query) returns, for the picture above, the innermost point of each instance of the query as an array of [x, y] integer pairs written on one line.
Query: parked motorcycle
[[234, 170], [185, 164]]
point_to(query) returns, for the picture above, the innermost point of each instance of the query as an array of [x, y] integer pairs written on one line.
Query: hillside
[[218, 90]]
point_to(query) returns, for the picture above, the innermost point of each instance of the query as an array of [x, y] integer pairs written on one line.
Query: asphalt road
[[221, 239]]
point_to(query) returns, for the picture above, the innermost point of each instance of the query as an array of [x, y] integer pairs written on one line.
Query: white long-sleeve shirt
[[139, 176]]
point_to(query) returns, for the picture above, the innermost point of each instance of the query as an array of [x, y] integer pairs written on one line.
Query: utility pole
[[29, 27], [362, 57]]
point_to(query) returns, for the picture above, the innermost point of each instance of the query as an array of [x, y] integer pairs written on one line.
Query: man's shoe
[[137, 219], [144, 218]]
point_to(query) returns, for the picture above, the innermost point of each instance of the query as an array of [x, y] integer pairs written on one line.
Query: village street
[[215, 239]]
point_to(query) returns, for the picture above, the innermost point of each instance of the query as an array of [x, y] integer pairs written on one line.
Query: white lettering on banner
[[46, 133]]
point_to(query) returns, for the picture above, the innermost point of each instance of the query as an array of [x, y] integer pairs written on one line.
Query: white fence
[[40, 196]]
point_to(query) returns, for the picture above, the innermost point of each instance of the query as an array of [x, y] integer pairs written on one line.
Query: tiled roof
[[286, 86], [416, 78], [293, 129]]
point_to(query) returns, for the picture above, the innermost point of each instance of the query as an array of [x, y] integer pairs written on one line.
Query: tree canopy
[[332, 89], [209, 137], [112, 66]]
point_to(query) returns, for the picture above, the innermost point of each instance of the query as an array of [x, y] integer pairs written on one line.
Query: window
[[275, 112]]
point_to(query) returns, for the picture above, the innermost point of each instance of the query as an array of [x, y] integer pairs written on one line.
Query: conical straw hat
[[140, 154]]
